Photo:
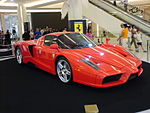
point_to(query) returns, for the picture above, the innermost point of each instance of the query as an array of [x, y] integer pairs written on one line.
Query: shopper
[[31, 35], [26, 35], [125, 36], [139, 40], [126, 5], [2, 36], [37, 33], [42, 31], [133, 37], [46, 31], [50, 30], [129, 36], [7, 38], [120, 35], [65, 30], [89, 34], [115, 3]]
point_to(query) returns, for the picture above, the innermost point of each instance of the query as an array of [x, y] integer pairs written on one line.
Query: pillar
[[22, 17], [3, 23], [97, 31], [75, 10]]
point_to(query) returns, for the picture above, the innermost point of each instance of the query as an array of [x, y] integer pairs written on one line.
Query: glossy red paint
[[111, 59]]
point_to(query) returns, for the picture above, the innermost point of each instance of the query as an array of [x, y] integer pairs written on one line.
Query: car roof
[[58, 33]]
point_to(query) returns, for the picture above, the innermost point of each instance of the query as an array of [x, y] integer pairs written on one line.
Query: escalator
[[110, 16]]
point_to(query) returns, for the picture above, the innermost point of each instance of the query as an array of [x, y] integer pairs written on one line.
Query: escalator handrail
[[131, 13], [122, 11]]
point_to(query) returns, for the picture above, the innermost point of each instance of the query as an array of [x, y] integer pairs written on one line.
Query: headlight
[[91, 64]]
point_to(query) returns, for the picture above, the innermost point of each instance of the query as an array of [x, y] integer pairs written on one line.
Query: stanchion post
[[147, 50]]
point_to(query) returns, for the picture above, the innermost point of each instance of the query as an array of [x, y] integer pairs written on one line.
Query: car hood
[[109, 56]]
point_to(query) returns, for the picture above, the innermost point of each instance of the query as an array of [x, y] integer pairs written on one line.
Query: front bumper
[[123, 79]]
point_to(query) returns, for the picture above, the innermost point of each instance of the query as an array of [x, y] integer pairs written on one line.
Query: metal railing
[[148, 49], [4, 42]]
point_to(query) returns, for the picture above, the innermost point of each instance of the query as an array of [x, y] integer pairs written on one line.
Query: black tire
[[19, 56], [64, 70]]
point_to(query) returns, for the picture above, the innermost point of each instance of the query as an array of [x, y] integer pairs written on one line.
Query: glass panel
[[12, 25], [50, 40]]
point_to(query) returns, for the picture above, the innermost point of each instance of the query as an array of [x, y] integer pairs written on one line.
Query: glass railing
[[131, 9]]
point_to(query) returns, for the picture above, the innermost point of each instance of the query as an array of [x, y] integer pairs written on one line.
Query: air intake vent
[[112, 78]]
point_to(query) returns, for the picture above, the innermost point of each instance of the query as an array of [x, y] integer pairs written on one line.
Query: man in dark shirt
[[26, 35]]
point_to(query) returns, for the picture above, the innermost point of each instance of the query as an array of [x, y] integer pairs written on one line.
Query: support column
[[22, 17], [3, 23], [75, 10], [97, 31]]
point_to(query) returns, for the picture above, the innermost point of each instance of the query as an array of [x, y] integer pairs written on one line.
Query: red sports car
[[75, 57]]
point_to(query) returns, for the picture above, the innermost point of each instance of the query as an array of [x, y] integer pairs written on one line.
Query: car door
[[46, 55]]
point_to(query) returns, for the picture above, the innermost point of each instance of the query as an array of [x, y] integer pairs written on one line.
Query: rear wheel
[[19, 57], [64, 70]]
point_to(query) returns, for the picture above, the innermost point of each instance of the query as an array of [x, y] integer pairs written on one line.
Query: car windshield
[[75, 41]]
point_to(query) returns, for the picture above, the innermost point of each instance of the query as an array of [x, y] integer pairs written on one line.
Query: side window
[[62, 40], [49, 40]]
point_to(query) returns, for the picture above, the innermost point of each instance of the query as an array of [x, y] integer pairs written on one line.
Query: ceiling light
[[31, 4], [8, 11], [8, 4]]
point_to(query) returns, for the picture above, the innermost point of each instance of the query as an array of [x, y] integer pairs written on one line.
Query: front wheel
[[64, 70], [19, 57]]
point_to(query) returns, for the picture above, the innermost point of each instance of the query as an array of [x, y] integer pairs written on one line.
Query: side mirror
[[54, 46]]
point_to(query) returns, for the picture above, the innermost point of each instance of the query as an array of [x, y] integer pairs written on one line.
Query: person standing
[[139, 40], [115, 3], [90, 34], [37, 33], [125, 36], [2, 36], [26, 35], [65, 29], [31, 35], [46, 31], [129, 37], [126, 5], [133, 37], [42, 31], [120, 35], [7, 38]]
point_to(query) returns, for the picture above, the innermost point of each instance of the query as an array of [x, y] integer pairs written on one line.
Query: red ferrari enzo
[[75, 57]]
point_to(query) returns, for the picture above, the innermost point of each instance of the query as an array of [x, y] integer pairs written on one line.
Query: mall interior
[[124, 24]]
